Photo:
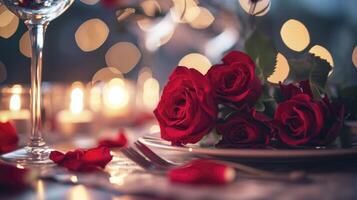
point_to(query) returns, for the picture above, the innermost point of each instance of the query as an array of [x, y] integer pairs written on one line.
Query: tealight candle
[[118, 101], [17, 115], [76, 119]]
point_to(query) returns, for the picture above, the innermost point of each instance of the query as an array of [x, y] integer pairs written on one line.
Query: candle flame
[[116, 95], [15, 102], [76, 105], [95, 100], [151, 93]]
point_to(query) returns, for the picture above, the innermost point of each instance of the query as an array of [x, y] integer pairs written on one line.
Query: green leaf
[[262, 50], [310, 67]]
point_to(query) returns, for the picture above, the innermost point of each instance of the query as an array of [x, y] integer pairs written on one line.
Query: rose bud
[[8, 137], [234, 81], [242, 130], [186, 111], [201, 171]]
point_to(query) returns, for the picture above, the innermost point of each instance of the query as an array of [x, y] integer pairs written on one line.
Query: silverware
[[153, 163]]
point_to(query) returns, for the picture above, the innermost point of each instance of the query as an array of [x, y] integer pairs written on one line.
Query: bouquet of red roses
[[193, 104]]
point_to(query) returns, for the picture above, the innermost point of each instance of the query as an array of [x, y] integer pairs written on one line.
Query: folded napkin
[[202, 171]]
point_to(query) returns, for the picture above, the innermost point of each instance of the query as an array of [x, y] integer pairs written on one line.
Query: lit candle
[[151, 94], [148, 91], [18, 116], [76, 118], [116, 98], [118, 101]]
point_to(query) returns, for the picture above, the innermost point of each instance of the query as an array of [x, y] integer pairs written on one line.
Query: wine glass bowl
[[37, 11], [37, 14]]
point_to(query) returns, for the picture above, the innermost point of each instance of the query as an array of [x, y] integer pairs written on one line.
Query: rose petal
[[57, 156], [83, 160], [8, 137], [119, 141], [204, 172]]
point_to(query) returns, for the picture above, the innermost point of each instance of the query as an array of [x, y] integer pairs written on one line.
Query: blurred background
[[93, 35], [107, 61]]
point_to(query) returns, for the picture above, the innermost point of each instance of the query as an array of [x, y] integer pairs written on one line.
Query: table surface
[[126, 181], [336, 183]]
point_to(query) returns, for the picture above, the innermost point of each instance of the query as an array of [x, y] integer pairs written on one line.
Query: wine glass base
[[22, 157]]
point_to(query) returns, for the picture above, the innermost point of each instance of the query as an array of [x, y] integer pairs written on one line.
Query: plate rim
[[250, 153]]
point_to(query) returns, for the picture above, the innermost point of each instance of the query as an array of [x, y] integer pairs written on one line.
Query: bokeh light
[[8, 30], [281, 71], [90, 2], [25, 44], [123, 56], [203, 20], [184, 11], [91, 34], [106, 74], [115, 94], [323, 53], [150, 7], [151, 93], [354, 56], [196, 61], [295, 35], [5, 16]]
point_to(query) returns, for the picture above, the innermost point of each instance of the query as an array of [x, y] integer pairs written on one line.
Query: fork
[[153, 163]]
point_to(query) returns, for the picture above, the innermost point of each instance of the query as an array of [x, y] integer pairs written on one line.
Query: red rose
[[8, 137], [300, 120], [334, 114], [234, 82], [202, 171], [303, 121], [186, 111], [119, 141], [245, 130], [83, 160]]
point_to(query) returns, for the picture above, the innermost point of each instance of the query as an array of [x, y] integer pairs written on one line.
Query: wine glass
[[37, 14]]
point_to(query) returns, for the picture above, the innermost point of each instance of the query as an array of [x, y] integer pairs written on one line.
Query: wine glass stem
[[37, 34]]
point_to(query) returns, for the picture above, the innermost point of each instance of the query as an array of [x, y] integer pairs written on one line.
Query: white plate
[[256, 155]]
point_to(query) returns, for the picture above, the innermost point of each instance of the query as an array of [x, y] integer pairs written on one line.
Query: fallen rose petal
[[83, 160], [56, 156], [204, 172], [99, 156], [119, 141], [8, 137]]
